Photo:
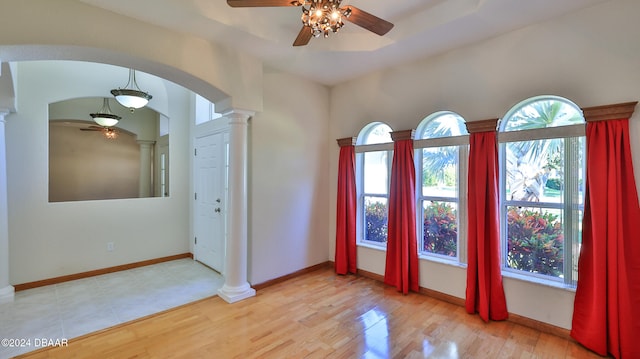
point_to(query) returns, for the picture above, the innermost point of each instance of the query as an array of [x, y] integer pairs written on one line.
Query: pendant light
[[104, 117], [131, 96]]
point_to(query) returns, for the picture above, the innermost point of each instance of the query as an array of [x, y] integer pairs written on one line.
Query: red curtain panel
[[401, 268], [484, 293], [345, 255], [606, 315]]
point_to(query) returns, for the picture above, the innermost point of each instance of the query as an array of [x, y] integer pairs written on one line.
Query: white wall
[[222, 75], [54, 239], [591, 57], [289, 178]]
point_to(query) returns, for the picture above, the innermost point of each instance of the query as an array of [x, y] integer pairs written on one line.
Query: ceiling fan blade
[[303, 36], [262, 3], [92, 128], [368, 21]]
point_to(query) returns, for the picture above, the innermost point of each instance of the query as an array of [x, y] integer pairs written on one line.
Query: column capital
[[238, 116], [4, 112], [145, 142]]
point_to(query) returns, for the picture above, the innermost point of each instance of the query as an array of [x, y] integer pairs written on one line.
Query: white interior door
[[210, 200]]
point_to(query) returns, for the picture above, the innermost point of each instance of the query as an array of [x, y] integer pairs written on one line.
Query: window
[[542, 171], [205, 110], [374, 156], [441, 156]]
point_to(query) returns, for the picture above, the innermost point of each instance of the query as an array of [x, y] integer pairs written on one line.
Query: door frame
[[213, 127]]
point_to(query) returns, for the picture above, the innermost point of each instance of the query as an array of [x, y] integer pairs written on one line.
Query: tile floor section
[[71, 309]]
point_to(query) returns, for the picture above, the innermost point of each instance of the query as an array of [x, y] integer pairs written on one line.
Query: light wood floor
[[319, 315]]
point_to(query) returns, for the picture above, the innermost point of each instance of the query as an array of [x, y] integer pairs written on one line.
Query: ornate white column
[[235, 286], [6, 290], [144, 184]]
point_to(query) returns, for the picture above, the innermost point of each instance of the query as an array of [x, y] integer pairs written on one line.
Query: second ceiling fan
[[321, 17]]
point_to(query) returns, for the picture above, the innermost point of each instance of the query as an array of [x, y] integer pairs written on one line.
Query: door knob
[[217, 210]]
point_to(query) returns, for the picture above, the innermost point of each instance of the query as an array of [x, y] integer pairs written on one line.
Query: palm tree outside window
[[441, 165], [542, 171]]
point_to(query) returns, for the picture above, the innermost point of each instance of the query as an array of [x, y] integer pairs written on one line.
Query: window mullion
[[419, 204], [463, 174], [360, 215], [502, 155], [571, 198]]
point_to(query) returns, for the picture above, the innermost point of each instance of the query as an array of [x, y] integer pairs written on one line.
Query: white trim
[[374, 147], [372, 245], [454, 262], [236, 294], [441, 142], [543, 133], [537, 280]]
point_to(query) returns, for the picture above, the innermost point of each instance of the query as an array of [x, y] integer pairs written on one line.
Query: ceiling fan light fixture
[[104, 117], [131, 96], [110, 133], [323, 16]]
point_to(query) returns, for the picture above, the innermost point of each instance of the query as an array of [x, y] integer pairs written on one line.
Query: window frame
[[462, 142], [360, 149], [570, 206]]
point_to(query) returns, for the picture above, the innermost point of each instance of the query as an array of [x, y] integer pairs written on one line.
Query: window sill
[[539, 281], [372, 246], [442, 261], [505, 274], [420, 256]]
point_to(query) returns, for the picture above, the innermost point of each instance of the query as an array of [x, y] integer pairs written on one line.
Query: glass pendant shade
[[131, 96], [104, 117]]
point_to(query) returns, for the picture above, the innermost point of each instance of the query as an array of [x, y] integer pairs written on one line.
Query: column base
[[7, 294], [236, 294]]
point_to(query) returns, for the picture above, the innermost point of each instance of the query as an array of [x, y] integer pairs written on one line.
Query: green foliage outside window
[[376, 222], [440, 229], [535, 238], [535, 242]]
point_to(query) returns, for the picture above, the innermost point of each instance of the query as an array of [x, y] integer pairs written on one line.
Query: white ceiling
[[422, 28]]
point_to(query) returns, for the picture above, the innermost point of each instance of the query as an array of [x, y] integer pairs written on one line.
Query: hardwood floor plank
[[319, 315]]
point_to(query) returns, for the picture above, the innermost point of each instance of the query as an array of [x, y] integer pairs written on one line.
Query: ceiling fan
[[320, 17], [108, 132]]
